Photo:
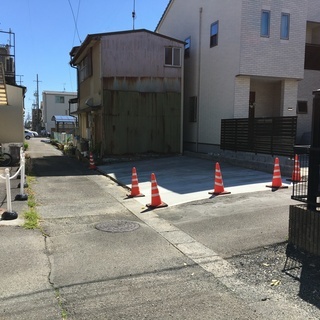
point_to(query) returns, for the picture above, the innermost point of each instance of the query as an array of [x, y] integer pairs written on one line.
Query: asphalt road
[[167, 263]]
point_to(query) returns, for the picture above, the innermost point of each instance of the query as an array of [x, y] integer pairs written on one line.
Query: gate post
[[314, 156]]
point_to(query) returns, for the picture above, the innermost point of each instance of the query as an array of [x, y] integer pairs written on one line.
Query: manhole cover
[[117, 226]]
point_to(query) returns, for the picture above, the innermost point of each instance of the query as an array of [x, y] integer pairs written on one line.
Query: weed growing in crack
[[31, 216]]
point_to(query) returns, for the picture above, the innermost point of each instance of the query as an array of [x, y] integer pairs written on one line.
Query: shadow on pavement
[[60, 166], [304, 268]]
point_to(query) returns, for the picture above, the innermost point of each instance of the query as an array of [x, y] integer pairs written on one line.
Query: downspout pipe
[[199, 81]]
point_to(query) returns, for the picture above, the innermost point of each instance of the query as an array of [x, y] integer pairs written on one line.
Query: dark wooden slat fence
[[273, 135]]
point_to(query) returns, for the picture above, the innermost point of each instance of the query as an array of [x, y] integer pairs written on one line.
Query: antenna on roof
[[133, 13]]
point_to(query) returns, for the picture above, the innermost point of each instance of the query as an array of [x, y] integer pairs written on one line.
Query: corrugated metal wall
[[139, 122]]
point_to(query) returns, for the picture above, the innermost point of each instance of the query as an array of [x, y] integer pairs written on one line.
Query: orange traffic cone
[[135, 191], [155, 196], [296, 175], [276, 179], [92, 166], [218, 183]]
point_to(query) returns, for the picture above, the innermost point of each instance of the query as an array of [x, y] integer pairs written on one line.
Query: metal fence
[[272, 135], [304, 226], [300, 189]]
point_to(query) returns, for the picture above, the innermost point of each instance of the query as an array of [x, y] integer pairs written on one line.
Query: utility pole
[[37, 92], [36, 116]]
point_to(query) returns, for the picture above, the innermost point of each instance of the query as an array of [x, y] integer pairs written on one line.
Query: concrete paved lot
[[172, 266], [183, 179]]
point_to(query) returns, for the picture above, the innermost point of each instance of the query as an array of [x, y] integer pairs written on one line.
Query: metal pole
[[314, 156], [7, 174], [199, 81]]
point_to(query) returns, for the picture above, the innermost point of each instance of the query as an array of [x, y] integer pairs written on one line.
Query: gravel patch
[[286, 271]]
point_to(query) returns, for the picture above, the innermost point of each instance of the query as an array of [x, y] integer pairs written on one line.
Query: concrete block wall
[[260, 162]]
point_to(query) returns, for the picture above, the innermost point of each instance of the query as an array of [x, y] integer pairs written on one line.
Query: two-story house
[[244, 59], [130, 92], [56, 103]]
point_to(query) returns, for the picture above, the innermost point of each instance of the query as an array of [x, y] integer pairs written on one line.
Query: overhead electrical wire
[[75, 20]]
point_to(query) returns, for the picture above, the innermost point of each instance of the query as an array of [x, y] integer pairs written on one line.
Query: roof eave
[[163, 15]]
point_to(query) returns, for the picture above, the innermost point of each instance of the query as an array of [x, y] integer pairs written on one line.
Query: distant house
[[130, 92], [54, 103], [245, 59]]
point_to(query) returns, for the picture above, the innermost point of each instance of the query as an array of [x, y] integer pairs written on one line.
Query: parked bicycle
[[5, 158]]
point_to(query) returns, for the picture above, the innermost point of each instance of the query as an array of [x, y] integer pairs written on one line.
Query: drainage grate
[[115, 226]]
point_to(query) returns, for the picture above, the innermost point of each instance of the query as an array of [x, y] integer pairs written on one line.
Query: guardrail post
[[22, 176], [9, 214], [22, 196]]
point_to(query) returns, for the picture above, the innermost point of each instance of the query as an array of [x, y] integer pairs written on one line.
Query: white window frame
[[172, 56], [59, 99]]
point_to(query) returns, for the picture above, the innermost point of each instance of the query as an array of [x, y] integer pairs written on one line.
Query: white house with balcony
[[56, 103], [244, 59]]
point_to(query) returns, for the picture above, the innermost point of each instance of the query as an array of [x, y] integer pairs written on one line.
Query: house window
[[265, 23], [172, 56], [302, 107], [193, 109], [85, 67], [285, 23], [214, 34], [59, 99], [187, 46]]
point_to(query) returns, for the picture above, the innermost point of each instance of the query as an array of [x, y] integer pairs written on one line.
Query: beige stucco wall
[[213, 83], [11, 117], [230, 70]]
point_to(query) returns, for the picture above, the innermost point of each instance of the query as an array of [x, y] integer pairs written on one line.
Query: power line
[[75, 19]]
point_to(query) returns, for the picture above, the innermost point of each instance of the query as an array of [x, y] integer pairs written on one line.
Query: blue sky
[[45, 33]]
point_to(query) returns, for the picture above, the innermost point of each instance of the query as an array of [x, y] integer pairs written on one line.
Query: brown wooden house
[[130, 92]]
